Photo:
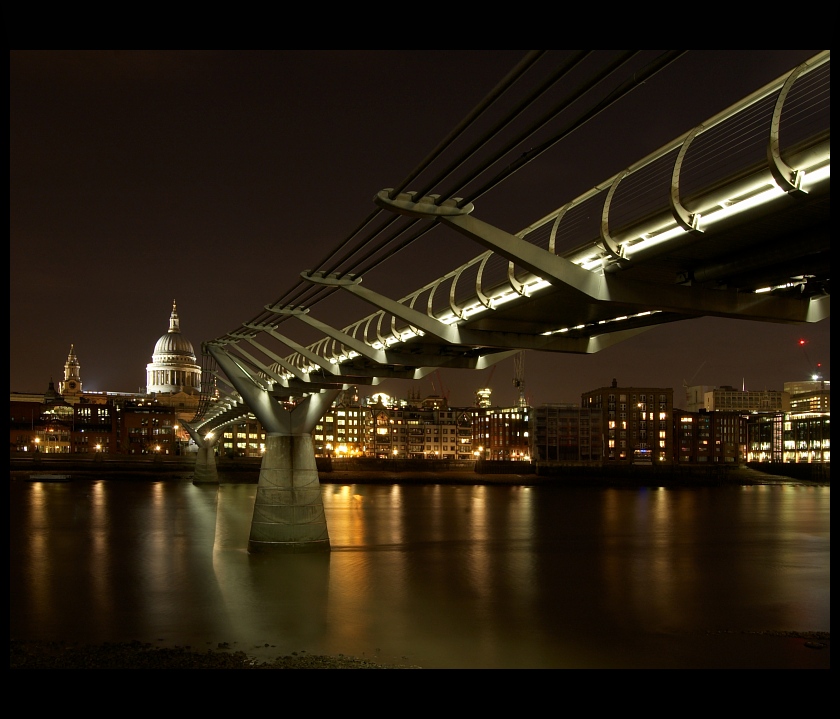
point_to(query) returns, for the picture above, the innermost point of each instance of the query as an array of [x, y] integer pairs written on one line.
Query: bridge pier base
[[206, 471], [288, 509]]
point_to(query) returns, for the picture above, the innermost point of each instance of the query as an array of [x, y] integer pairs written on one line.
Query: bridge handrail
[[725, 114]]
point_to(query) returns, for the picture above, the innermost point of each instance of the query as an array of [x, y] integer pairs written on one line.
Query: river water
[[436, 576]]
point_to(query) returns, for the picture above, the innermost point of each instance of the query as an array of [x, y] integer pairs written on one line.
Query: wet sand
[[715, 650]]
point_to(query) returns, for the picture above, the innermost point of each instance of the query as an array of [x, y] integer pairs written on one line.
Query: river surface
[[436, 576]]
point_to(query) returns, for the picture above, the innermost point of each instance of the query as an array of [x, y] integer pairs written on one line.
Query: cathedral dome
[[173, 342], [173, 368]]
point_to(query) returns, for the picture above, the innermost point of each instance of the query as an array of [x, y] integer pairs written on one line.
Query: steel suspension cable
[[566, 67], [638, 78], [506, 83], [582, 90]]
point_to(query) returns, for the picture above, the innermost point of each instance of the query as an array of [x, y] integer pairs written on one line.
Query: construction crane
[[814, 369], [519, 378], [441, 390]]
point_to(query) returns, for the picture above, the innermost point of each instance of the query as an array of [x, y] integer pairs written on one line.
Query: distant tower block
[[482, 397]]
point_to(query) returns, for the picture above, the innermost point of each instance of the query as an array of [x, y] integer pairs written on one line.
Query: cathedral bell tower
[[71, 385]]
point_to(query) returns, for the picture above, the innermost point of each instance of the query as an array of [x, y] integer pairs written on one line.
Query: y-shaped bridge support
[[206, 471], [288, 509]]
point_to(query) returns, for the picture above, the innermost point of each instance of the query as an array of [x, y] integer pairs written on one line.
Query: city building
[[636, 423], [344, 430], [789, 438], [245, 438], [102, 426], [97, 429], [695, 397], [41, 423], [567, 433], [710, 437], [381, 426], [502, 433], [810, 396], [730, 399], [149, 428]]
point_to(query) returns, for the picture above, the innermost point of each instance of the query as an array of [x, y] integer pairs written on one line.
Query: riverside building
[[790, 438], [710, 437], [567, 433], [383, 427], [636, 423], [502, 433]]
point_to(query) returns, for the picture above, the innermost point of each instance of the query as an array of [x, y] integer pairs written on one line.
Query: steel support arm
[[463, 336], [261, 366], [304, 352], [681, 299], [429, 325], [601, 287], [272, 415], [290, 368], [355, 345]]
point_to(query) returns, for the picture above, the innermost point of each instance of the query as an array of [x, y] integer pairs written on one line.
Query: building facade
[[502, 433], [710, 437], [245, 438], [729, 399], [636, 423], [383, 427], [567, 433], [810, 396], [789, 438], [53, 426]]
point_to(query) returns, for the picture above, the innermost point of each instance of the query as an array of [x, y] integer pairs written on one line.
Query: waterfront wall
[[814, 472], [244, 470]]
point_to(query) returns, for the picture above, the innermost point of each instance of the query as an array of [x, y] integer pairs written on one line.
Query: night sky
[[215, 177]]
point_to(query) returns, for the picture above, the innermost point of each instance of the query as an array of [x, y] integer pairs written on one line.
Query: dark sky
[[215, 177]]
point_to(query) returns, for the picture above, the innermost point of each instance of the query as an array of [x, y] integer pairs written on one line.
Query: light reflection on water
[[445, 576]]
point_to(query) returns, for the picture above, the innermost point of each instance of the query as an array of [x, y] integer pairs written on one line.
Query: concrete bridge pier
[[206, 471], [288, 509]]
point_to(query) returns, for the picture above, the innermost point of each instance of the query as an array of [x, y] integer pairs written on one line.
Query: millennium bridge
[[728, 220]]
